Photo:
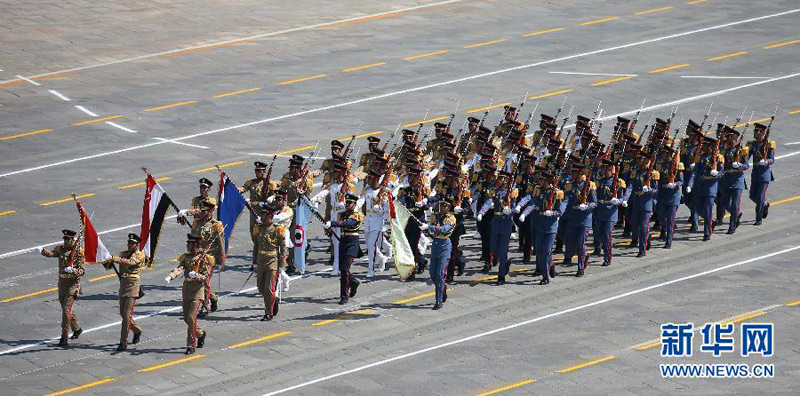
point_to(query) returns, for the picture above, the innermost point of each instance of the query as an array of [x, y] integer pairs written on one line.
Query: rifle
[[564, 123], [764, 146], [453, 115], [316, 213], [530, 117], [416, 134], [558, 112], [675, 158], [741, 136], [588, 171], [386, 145], [705, 117], [636, 117], [346, 181], [521, 105]]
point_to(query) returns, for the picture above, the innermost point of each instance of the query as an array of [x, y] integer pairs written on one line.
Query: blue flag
[[231, 204]]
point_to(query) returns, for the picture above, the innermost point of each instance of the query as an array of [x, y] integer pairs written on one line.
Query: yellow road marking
[[172, 363], [609, 19], [743, 318], [297, 80], [547, 95], [507, 387], [669, 68], [696, 1], [292, 151], [752, 122], [171, 105], [790, 199], [415, 298], [783, 44], [99, 278], [794, 111], [726, 56], [142, 183], [29, 295], [243, 91], [365, 134], [426, 121], [613, 80], [221, 166], [648, 346], [100, 119], [65, 200], [8, 212], [329, 321], [257, 340], [488, 108], [77, 388], [485, 43], [364, 67], [650, 11], [426, 55], [542, 32], [364, 19], [19, 135], [593, 362], [793, 304]]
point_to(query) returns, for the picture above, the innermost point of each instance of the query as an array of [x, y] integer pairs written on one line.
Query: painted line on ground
[[650, 11], [793, 304], [669, 68], [235, 163], [729, 77], [594, 74], [82, 387], [587, 364], [429, 120], [425, 87], [425, 55], [752, 122], [547, 95], [415, 298], [28, 80], [239, 92], [726, 56], [794, 111], [36, 293], [540, 32], [115, 125], [66, 199], [783, 44], [613, 80], [23, 134], [507, 387], [696, 2], [364, 67], [297, 80], [485, 43], [172, 363], [488, 107], [171, 105], [262, 339], [343, 316], [7, 212], [59, 95], [141, 184], [609, 19], [100, 119], [181, 143], [530, 321], [83, 109]]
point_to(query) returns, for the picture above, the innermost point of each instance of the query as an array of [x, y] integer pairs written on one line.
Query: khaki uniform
[[128, 289], [257, 194], [193, 290], [196, 201], [271, 255], [207, 232], [69, 286]]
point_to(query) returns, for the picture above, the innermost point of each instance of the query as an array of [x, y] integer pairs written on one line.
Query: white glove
[[691, 166], [469, 200], [506, 210], [583, 207], [645, 188], [339, 205], [68, 270], [517, 209], [424, 201], [549, 213], [714, 172], [762, 162], [424, 227], [624, 204], [376, 208], [689, 189], [183, 212], [40, 249], [458, 209], [419, 204], [480, 217], [670, 185], [168, 279], [615, 201], [192, 274], [327, 225], [736, 165], [258, 221], [522, 218]]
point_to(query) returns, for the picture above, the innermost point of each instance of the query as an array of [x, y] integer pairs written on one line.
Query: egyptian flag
[[93, 247], [156, 204]]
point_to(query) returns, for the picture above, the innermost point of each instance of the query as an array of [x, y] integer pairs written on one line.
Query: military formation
[[554, 189]]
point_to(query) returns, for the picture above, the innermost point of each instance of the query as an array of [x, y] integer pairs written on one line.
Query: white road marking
[[83, 109], [60, 96], [281, 155], [114, 124], [529, 321], [396, 93], [595, 74], [728, 77], [254, 37], [181, 143], [787, 155], [791, 144], [26, 80]]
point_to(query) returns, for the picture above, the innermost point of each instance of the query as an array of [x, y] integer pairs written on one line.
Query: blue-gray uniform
[[687, 158], [606, 213], [760, 176], [669, 197], [733, 183], [704, 182], [440, 227], [644, 190], [546, 227], [502, 224], [350, 223], [579, 221]]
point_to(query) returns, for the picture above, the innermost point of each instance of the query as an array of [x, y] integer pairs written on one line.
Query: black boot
[[214, 306], [267, 317], [449, 279], [437, 306], [766, 210], [63, 342], [553, 273], [444, 295], [136, 338], [122, 348], [668, 245], [706, 238], [693, 228], [76, 334], [757, 223], [201, 340], [580, 273], [730, 231], [606, 263], [189, 351], [501, 280], [342, 300], [544, 282], [354, 289]]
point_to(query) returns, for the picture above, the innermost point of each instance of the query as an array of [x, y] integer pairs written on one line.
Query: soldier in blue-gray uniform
[[732, 182], [762, 150], [669, 193], [549, 205], [581, 202], [689, 155], [704, 182], [350, 221], [644, 187], [608, 202], [499, 201], [440, 225]]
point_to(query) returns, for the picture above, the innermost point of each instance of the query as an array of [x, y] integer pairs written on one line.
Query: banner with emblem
[[302, 216], [401, 249]]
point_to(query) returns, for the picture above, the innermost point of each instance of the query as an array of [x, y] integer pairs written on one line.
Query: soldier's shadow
[[142, 351], [100, 297]]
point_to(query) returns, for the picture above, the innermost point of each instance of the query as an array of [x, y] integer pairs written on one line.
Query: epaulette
[[559, 195], [721, 158], [514, 193], [656, 175], [622, 184], [772, 144], [358, 215], [182, 257], [280, 230], [218, 227], [210, 259], [537, 190], [592, 186], [745, 151], [680, 166]]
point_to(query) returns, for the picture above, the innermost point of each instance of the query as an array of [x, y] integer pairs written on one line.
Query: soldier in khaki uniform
[[205, 187], [213, 242], [195, 266], [271, 256], [130, 262], [260, 189], [70, 271], [295, 182]]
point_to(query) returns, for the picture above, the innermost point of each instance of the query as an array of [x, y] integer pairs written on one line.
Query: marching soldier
[[212, 240], [501, 196], [260, 189], [612, 193], [131, 262], [350, 222], [195, 267], [376, 208], [549, 207], [70, 270], [415, 198], [271, 257], [733, 182], [644, 187], [704, 181], [581, 202], [669, 194], [205, 187], [295, 182], [440, 226], [690, 147], [762, 150]]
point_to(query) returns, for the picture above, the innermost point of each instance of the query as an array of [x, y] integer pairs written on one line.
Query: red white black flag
[[156, 204]]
